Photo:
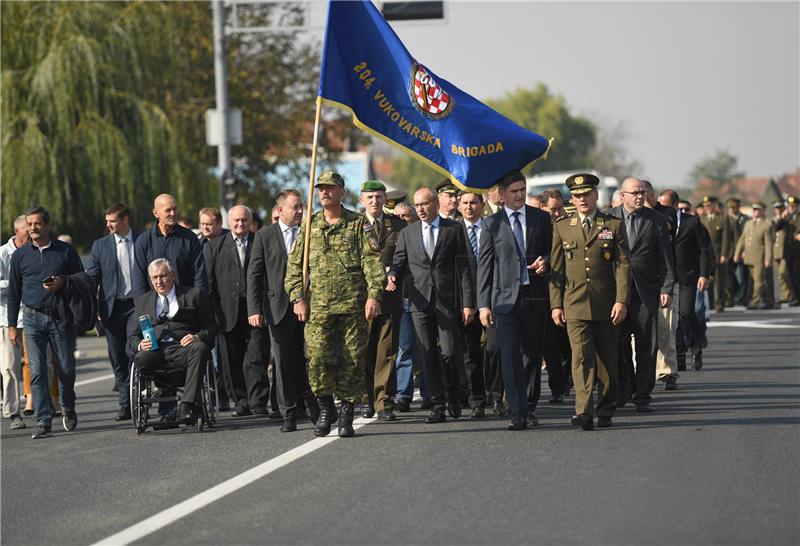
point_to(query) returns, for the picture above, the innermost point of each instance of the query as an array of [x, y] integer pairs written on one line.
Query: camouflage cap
[[330, 178], [446, 186], [373, 185], [581, 183]]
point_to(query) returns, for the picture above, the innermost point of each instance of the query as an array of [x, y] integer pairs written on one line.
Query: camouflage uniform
[[344, 270]]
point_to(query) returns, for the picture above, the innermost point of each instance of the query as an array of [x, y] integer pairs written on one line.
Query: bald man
[[167, 239]]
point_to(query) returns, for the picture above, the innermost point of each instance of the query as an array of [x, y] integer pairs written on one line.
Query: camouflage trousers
[[336, 345]]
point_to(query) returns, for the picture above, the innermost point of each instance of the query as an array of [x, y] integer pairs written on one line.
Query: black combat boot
[[313, 408], [326, 412], [346, 420]]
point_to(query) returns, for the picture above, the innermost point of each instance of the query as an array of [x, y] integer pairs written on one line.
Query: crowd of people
[[463, 295]]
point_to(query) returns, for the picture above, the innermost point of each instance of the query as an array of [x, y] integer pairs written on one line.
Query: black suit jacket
[[224, 281], [498, 266], [440, 277], [652, 263], [103, 267], [694, 255], [195, 316], [265, 275]]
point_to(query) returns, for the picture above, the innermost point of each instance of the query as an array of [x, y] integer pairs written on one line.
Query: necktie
[[523, 271], [429, 242], [473, 240], [587, 227], [631, 229], [124, 265], [162, 316], [377, 225], [291, 235], [240, 251]]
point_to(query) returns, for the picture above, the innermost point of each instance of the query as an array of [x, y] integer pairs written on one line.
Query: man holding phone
[[37, 273]]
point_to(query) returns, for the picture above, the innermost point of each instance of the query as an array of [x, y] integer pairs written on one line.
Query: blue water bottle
[[147, 331]]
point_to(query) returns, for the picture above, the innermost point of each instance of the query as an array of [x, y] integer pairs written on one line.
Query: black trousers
[[641, 324], [243, 352], [475, 364], [119, 351], [176, 364], [289, 363], [492, 373], [557, 358], [687, 336], [431, 327]]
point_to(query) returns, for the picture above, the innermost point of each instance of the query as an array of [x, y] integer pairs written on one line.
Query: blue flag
[[367, 70]]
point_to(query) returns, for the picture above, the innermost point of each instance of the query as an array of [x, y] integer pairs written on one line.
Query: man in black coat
[[243, 359], [268, 305], [183, 320], [652, 273], [513, 294], [433, 254]]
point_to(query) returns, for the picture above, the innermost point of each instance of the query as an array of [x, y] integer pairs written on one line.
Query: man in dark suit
[[227, 259], [111, 268], [268, 305], [383, 335], [183, 320], [695, 263], [515, 253], [481, 353], [433, 253], [652, 275]]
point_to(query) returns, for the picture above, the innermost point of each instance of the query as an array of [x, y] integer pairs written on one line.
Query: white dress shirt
[[288, 240], [125, 263], [477, 226], [427, 227], [173, 303], [522, 220]]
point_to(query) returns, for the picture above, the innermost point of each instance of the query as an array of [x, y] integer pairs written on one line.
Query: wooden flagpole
[[311, 177]]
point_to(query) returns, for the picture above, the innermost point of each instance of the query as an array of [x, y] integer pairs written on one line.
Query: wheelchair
[[144, 392]]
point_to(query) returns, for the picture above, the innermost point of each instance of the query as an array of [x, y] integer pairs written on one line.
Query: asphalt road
[[715, 463]]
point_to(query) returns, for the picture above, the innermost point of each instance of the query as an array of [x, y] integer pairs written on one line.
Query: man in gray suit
[[433, 253], [652, 272], [512, 294]]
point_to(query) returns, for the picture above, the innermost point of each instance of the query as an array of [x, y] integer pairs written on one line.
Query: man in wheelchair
[[185, 328]]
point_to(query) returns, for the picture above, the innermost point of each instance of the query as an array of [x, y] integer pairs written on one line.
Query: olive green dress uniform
[[791, 228], [344, 270], [756, 243], [737, 221], [383, 336], [719, 231], [781, 255], [589, 274]]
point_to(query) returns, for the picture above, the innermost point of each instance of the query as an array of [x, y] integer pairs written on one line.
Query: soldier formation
[[460, 294]]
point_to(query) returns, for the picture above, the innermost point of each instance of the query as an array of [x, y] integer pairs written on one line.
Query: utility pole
[[221, 87]]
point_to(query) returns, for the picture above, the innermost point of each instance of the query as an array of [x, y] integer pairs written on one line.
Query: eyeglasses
[[423, 204], [641, 193], [683, 209]]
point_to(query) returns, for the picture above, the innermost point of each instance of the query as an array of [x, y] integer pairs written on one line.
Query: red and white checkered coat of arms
[[428, 97]]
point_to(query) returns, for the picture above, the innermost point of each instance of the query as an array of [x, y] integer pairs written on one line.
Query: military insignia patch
[[606, 255], [573, 222], [367, 227], [605, 235], [373, 244], [427, 96], [578, 180]]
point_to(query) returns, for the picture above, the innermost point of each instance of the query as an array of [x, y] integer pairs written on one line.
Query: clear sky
[[686, 77]]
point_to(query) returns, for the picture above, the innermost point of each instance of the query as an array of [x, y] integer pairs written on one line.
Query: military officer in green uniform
[[719, 231], [589, 290], [346, 282], [754, 249], [738, 277], [448, 200], [781, 254], [383, 336], [790, 223], [394, 198]]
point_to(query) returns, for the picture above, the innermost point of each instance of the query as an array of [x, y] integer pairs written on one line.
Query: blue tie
[[523, 271], [473, 240]]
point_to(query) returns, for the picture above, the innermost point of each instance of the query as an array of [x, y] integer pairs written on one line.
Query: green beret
[[330, 178], [373, 185], [581, 183], [445, 186], [733, 202]]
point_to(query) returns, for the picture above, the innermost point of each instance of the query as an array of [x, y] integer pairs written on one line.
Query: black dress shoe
[[644, 408], [166, 422], [518, 423], [124, 414], [426, 404], [186, 413], [386, 414], [499, 409], [583, 421], [240, 411], [367, 410], [261, 411], [454, 409], [478, 413], [436, 416], [556, 399], [671, 384], [604, 422], [403, 406], [532, 420], [289, 424], [697, 362]]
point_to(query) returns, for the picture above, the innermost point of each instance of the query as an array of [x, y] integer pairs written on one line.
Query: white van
[[555, 180]]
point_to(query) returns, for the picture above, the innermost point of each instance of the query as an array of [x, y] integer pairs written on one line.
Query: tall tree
[[720, 167]]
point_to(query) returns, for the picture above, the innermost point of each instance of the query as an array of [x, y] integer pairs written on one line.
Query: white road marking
[[751, 324], [180, 510], [94, 380]]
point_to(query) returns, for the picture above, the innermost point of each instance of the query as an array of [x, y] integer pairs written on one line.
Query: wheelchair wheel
[[208, 397], [139, 409], [199, 423]]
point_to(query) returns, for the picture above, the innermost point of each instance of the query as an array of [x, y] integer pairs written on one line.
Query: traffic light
[[408, 11]]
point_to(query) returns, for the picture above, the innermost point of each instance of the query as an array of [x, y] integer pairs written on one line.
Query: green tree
[[719, 167]]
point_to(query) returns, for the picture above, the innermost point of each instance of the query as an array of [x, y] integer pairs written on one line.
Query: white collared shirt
[[435, 227], [591, 218], [477, 226], [286, 232], [522, 220], [121, 290], [173, 303]]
